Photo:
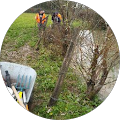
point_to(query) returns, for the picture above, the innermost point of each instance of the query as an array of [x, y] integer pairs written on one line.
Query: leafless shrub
[[59, 36], [96, 60]]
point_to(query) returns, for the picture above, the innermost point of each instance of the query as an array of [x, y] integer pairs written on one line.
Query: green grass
[[23, 30], [72, 102]]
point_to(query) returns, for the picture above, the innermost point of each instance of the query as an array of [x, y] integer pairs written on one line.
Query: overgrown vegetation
[[61, 91], [72, 101]]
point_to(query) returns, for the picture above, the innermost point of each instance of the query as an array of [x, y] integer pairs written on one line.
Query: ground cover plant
[[19, 47], [47, 65]]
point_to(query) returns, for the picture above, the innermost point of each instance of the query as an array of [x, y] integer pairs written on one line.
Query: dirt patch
[[19, 56]]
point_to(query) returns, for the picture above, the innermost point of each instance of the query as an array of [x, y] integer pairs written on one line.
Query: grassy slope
[[72, 102]]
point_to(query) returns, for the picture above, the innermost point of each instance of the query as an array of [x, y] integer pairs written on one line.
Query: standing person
[[41, 19], [56, 17]]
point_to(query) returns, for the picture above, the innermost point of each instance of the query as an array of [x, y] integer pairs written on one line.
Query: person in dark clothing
[[56, 17]]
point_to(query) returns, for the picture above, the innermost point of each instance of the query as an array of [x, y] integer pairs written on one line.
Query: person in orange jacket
[[41, 19], [56, 17]]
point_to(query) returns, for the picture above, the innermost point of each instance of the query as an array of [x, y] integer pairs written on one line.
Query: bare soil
[[19, 56]]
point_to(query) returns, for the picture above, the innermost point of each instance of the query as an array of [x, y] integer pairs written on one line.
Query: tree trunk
[[62, 73], [93, 89], [92, 92], [91, 82]]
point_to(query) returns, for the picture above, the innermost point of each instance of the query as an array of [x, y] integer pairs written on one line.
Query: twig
[[110, 82]]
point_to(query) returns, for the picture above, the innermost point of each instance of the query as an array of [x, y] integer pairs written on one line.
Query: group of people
[[41, 18]]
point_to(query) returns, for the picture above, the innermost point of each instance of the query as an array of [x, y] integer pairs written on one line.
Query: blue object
[[22, 83]]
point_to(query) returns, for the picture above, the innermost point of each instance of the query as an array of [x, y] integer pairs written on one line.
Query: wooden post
[[62, 73]]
